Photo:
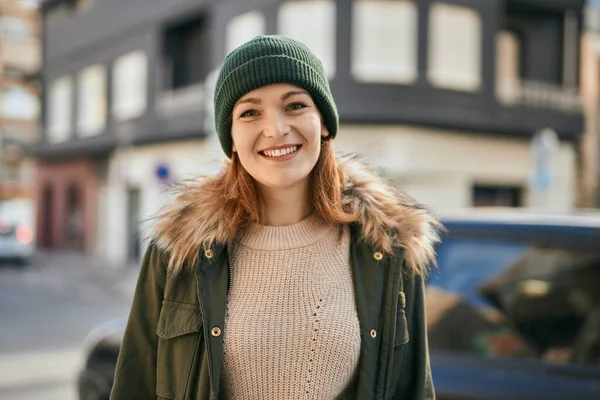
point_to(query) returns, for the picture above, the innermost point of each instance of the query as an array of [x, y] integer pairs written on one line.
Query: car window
[[464, 263], [501, 298]]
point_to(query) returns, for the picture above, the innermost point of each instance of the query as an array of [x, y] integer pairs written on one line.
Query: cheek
[[313, 129], [242, 139]]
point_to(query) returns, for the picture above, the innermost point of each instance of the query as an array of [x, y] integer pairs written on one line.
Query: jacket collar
[[194, 220]]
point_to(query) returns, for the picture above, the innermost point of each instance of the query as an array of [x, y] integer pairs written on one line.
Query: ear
[[324, 131], [233, 149]]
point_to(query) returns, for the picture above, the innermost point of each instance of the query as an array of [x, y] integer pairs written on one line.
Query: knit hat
[[266, 60]]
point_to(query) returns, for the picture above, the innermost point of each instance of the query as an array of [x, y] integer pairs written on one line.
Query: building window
[[187, 45], [508, 65], [294, 20], [494, 296], [91, 101], [243, 28], [454, 47], [14, 27], [129, 86], [11, 148], [384, 41], [60, 103], [18, 103], [497, 196]]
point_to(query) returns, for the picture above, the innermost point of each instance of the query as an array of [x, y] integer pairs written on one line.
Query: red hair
[[243, 204]]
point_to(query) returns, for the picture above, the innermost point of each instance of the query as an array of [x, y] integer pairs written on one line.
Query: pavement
[[39, 375], [47, 309], [75, 274]]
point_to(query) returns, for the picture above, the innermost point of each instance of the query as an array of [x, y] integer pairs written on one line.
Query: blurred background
[[468, 105]]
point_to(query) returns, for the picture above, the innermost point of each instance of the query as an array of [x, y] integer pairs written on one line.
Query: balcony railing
[[514, 92], [177, 102]]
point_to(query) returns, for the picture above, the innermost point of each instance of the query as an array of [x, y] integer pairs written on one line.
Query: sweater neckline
[[285, 237]]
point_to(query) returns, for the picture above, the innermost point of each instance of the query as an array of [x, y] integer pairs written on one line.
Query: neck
[[286, 206]]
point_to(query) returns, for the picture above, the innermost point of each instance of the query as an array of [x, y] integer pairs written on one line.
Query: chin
[[285, 181]]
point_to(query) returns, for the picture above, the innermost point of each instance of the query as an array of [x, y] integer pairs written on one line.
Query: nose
[[276, 125]]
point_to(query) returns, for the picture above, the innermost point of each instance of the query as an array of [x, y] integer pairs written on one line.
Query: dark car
[[513, 311], [514, 308], [101, 349]]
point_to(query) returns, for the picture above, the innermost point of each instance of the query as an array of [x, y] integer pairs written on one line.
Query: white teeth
[[280, 152]]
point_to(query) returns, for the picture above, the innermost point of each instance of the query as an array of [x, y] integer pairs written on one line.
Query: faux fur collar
[[194, 219]]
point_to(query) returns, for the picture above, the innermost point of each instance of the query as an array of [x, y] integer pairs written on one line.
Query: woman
[[291, 274]]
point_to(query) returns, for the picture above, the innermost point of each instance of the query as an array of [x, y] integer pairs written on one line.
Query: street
[[46, 310]]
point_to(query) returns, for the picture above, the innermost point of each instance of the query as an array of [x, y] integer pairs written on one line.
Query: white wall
[[185, 160], [439, 168]]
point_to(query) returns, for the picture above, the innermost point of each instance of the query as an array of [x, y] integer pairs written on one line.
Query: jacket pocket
[[401, 323], [179, 330]]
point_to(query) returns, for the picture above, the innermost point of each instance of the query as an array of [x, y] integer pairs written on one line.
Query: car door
[[513, 313]]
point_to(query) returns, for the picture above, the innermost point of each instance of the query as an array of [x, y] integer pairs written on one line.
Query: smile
[[283, 153]]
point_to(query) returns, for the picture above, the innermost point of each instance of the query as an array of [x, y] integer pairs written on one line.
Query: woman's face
[[276, 133]]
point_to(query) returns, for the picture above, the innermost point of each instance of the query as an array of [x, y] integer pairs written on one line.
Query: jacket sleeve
[[135, 376], [415, 361]]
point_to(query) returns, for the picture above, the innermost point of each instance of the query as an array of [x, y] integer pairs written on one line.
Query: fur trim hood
[[194, 220]]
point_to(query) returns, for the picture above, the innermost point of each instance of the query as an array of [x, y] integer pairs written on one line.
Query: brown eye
[[296, 106], [249, 113]]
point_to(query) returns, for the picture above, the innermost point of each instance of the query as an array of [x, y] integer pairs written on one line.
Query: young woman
[[292, 274]]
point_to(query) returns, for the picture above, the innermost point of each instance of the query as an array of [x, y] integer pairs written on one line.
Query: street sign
[[162, 172], [544, 146]]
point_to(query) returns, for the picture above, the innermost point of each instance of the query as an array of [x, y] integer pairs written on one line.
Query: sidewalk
[[23, 369], [83, 272]]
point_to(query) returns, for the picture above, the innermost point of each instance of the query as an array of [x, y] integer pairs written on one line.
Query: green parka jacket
[[173, 342]]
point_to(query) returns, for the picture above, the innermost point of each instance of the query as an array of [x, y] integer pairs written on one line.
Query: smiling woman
[[277, 134], [292, 274]]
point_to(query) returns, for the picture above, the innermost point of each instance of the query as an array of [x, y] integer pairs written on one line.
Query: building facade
[[19, 104], [444, 96], [589, 178]]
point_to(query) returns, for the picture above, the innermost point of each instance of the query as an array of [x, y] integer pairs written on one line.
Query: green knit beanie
[[266, 60]]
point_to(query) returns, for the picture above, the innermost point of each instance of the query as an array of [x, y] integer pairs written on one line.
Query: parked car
[[16, 230], [513, 311], [101, 349]]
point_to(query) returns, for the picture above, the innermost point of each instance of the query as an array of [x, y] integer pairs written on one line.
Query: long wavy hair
[[243, 203]]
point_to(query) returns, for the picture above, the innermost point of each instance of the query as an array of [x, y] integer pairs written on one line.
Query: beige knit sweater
[[291, 329]]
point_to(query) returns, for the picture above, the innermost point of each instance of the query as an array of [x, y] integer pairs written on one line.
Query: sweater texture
[[291, 329]]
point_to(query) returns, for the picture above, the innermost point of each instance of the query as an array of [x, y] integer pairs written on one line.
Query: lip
[[281, 158]]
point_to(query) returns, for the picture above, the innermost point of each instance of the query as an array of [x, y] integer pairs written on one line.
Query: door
[[47, 221]]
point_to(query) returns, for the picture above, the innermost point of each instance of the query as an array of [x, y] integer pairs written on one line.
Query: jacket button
[[373, 333], [378, 256], [216, 331], [209, 254]]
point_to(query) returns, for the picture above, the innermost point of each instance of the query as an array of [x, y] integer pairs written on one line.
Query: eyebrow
[[252, 100], [285, 96], [291, 93]]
